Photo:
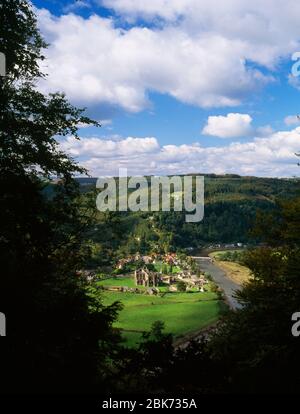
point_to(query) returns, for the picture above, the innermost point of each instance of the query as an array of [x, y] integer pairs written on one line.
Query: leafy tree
[[164, 268], [58, 337], [252, 350], [146, 367], [256, 342]]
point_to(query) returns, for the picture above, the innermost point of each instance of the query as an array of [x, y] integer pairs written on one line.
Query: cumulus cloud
[[203, 62], [272, 155], [291, 120], [264, 131], [269, 29], [166, 9], [95, 147], [232, 125]]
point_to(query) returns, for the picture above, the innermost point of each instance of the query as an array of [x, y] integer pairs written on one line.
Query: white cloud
[[264, 131], [203, 64], [269, 29], [233, 125], [105, 122], [273, 155], [102, 148], [291, 120], [76, 5], [102, 122], [166, 9]]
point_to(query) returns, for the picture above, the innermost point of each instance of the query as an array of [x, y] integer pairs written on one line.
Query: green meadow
[[182, 313], [117, 281]]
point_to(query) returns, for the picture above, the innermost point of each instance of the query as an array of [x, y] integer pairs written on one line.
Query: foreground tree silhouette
[[253, 349], [257, 341], [58, 338]]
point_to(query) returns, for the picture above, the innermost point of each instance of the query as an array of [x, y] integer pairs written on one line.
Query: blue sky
[[179, 85]]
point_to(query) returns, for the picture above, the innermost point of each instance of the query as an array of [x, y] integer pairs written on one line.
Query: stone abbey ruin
[[147, 278]]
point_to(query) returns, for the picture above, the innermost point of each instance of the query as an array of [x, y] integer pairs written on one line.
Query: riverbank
[[218, 275], [236, 272]]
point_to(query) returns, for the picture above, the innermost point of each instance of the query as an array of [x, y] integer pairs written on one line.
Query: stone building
[[144, 277]]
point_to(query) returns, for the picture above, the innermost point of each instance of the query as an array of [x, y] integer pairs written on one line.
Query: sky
[[179, 86]]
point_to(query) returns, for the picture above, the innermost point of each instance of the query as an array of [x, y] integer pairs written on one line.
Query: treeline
[[231, 208]]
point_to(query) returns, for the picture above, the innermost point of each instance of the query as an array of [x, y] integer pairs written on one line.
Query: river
[[220, 278]]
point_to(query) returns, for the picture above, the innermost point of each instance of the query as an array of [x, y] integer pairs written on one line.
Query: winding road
[[220, 278]]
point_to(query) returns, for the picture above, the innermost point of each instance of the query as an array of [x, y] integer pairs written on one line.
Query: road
[[220, 278]]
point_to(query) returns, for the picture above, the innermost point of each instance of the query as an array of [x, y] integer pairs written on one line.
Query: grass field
[[182, 313], [118, 281]]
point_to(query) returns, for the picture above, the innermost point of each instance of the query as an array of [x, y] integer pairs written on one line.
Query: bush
[[117, 271], [213, 287], [207, 275], [101, 276], [181, 286]]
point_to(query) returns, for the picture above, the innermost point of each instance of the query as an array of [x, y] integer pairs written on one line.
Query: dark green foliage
[[20, 41], [181, 286], [58, 337], [232, 206], [144, 369], [253, 349], [232, 256]]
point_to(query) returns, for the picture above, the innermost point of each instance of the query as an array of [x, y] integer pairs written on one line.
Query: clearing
[[182, 312]]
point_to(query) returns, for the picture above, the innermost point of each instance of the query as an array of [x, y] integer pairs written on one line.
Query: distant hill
[[231, 205]]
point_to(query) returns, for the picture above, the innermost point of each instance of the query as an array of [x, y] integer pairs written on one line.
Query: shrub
[[181, 286]]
